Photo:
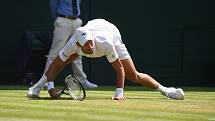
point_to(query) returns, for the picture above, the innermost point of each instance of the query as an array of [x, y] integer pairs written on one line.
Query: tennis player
[[101, 38]]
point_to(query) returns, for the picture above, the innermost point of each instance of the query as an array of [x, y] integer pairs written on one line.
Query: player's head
[[82, 35], [84, 40]]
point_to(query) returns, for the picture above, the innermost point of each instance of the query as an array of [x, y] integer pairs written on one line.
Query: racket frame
[[78, 83]]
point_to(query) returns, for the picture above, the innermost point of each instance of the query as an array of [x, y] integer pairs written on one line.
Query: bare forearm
[[120, 73], [120, 77], [55, 68]]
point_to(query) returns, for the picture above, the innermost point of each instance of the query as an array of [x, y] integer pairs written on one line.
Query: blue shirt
[[65, 7]]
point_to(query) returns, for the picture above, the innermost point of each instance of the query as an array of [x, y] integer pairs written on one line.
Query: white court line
[[211, 119]]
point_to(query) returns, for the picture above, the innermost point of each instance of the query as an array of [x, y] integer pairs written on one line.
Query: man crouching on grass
[[96, 39]]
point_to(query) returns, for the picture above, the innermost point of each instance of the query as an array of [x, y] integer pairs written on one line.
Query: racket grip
[[60, 92]]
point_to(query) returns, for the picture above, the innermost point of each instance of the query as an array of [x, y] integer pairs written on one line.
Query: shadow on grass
[[95, 98], [65, 98], [112, 88], [127, 98], [48, 98]]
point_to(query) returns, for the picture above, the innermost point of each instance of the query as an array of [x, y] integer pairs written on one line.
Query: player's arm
[[113, 58], [56, 67], [120, 74]]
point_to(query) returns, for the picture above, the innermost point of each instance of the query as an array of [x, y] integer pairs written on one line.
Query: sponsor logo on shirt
[[64, 55], [113, 56]]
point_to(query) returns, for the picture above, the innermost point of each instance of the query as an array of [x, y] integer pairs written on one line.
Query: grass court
[[141, 105]]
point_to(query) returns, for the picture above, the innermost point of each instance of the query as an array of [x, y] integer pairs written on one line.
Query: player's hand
[[54, 93], [118, 98]]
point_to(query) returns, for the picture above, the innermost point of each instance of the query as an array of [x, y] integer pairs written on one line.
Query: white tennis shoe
[[33, 92], [173, 93], [87, 84]]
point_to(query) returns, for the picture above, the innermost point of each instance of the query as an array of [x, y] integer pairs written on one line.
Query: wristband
[[50, 85], [119, 92]]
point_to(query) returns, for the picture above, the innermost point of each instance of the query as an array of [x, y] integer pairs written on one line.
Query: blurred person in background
[[66, 15]]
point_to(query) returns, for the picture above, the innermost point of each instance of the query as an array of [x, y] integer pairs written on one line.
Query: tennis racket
[[73, 88]]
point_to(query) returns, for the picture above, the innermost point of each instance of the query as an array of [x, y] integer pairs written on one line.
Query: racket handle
[[60, 92]]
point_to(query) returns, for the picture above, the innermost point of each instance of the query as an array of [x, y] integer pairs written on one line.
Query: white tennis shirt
[[107, 42]]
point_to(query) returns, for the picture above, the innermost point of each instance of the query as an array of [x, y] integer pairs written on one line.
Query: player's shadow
[[96, 98], [48, 98], [127, 98]]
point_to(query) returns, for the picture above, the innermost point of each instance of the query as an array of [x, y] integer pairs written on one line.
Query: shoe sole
[[33, 96]]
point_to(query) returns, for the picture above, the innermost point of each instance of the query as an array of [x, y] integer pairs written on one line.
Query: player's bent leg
[[141, 78]]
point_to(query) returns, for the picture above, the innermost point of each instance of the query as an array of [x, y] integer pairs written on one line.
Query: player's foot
[[33, 92], [87, 84], [173, 93]]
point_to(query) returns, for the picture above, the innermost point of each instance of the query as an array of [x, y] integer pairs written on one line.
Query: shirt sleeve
[[111, 54], [69, 49]]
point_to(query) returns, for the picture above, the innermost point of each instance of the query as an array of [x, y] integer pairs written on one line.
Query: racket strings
[[74, 89]]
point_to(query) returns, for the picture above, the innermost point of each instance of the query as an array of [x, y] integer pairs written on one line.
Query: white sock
[[119, 92], [41, 83], [162, 89]]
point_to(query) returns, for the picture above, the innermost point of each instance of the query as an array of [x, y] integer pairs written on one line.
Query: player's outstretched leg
[[148, 81]]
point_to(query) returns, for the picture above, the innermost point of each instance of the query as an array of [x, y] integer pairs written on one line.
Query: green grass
[[141, 105]]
